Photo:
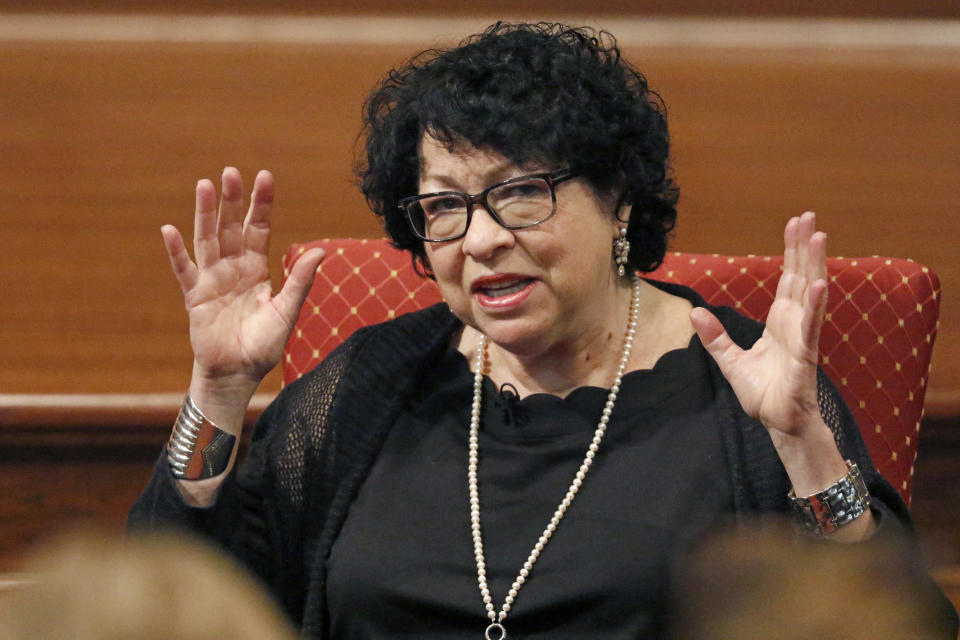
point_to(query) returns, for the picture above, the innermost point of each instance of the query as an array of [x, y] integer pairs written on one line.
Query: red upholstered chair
[[880, 325]]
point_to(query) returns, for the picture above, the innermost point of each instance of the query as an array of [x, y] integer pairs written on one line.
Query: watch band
[[197, 448], [836, 506]]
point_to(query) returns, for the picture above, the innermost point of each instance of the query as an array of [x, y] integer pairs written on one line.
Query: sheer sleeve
[[259, 508]]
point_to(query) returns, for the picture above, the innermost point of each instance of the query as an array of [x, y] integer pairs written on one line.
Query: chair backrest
[[876, 343]]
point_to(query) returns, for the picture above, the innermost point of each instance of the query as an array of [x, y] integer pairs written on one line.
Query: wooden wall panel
[[532, 8], [48, 492], [102, 143], [870, 141], [77, 464]]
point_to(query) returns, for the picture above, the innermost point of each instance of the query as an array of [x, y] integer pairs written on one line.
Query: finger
[[813, 314], [229, 220], [790, 245], [183, 268], [295, 289], [715, 339], [817, 267], [206, 247], [805, 229], [256, 226], [785, 285]]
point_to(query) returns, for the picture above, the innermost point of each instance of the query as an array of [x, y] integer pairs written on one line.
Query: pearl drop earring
[[621, 251]]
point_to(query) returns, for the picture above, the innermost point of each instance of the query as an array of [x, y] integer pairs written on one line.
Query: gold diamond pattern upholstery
[[876, 343]]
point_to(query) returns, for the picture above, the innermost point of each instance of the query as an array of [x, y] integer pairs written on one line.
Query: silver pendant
[[498, 629]]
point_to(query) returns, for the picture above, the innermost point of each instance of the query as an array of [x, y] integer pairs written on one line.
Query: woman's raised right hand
[[238, 328]]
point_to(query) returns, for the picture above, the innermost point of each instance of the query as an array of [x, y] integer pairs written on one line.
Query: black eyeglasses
[[516, 203]]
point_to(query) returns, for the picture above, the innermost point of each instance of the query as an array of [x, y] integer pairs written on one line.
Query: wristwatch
[[836, 506]]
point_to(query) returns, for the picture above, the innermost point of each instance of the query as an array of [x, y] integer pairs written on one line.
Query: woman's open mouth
[[501, 292]]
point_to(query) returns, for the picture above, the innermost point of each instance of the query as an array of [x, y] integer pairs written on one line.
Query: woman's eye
[[439, 206], [524, 190]]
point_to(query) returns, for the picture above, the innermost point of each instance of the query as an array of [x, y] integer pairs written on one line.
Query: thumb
[[715, 339], [295, 289]]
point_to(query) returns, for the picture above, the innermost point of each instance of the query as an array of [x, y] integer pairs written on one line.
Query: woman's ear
[[421, 266], [624, 207]]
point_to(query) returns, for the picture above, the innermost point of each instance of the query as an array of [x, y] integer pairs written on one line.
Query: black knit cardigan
[[281, 509]]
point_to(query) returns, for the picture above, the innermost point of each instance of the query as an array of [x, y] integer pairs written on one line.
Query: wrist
[[810, 456], [224, 400]]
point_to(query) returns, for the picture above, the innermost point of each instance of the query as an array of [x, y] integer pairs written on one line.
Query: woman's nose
[[485, 236]]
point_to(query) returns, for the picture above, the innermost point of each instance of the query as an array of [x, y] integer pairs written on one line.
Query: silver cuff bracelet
[[197, 448]]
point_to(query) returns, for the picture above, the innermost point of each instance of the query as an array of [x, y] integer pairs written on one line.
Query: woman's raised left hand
[[776, 379]]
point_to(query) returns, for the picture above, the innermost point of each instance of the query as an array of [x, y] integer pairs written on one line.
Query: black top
[[281, 509], [658, 483]]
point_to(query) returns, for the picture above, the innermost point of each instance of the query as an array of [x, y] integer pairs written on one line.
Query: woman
[[432, 467]]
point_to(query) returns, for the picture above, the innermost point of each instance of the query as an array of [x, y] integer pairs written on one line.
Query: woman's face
[[529, 290]]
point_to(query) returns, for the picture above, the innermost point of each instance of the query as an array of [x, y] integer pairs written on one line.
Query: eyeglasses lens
[[522, 203], [517, 204]]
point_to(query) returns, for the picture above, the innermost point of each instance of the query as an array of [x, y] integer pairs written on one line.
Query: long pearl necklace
[[496, 629]]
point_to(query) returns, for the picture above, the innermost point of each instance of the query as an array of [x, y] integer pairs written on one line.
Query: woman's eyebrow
[[491, 177]]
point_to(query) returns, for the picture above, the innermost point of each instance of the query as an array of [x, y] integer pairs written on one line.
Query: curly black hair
[[543, 95]]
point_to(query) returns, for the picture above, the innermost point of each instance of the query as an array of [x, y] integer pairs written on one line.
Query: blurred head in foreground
[[98, 587], [767, 585]]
